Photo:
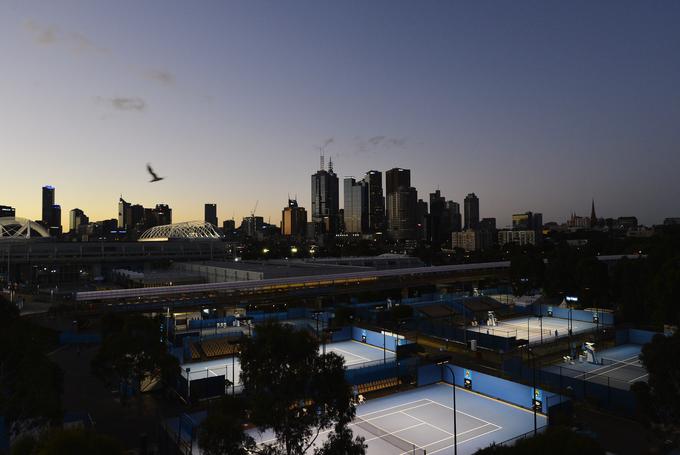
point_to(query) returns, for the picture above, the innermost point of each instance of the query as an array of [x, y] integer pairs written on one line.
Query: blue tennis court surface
[[535, 329], [354, 353], [421, 421], [618, 367]]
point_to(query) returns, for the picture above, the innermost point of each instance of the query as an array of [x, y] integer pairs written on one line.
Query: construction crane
[[252, 213]]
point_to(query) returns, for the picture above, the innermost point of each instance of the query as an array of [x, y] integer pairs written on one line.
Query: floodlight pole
[[533, 398], [455, 432]]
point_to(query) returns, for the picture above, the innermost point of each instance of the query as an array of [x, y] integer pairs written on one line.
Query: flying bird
[[155, 178]]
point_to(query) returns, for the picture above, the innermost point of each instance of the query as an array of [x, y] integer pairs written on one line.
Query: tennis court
[[535, 329], [618, 367], [354, 353], [420, 421]]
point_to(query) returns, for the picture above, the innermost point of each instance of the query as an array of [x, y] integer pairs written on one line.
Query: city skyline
[[468, 102]]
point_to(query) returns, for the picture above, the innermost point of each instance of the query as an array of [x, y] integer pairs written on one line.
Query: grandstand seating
[[374, 386], [218, 347]]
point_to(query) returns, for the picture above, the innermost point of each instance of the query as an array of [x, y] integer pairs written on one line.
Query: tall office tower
[[456, 218], [325, 200], [471, 211], [55, 220], [162, 214], [402, 204], [294, 220], [376, 201], [47, 203], [210, 214], [135, 215], [422, 220], [356, 206], [397, 178], [440, 219], [537, 222], [77, 218], [7, 212], [123, 213], [488, 235]]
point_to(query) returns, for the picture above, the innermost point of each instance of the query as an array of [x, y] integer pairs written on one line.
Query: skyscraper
[[396, 178], [376, 201], [162, 214], [454, 213], [356, 206], [123, 213], [210, 214], [325, 200], [294, 220], [402, 203], [55, 220], [47, 203], [471, 211], [76, 218]]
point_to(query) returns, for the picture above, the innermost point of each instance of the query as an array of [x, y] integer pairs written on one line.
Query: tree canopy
[[292, 390]]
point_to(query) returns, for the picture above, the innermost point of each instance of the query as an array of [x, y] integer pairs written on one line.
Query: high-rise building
[[123, 213], [397, 178], [487, 233], [162, 214], [521, 238], [55, 220], [210, 214], [456, 218], [402, 204], [440, 219], [7, 212], [228, 226], [136, 216], [356, 206], [47, 203], [422, 220], [529, 221], [325, 200], [77, 218], [294, 220], [376, 201], [471, 211]]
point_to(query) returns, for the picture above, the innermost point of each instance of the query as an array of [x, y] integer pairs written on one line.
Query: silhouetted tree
[[222, 430], [555, 441], [296, 392]]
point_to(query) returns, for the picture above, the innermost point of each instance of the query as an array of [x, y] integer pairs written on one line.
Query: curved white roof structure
[[21, 228], [186, 230]]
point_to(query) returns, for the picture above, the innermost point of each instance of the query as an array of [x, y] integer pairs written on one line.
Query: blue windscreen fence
[[491, 386], [378, 339], [604, 318]]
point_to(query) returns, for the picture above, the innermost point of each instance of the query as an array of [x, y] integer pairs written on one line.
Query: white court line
[[392, 433], [469, 439], [636, 379], [387, 432], [373, 418], [608, 371], [451, 437], [395, 406], [464, 413], [433, 426], [371, 346], [350, 353]]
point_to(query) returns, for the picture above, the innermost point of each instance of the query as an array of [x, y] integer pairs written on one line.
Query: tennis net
[[401, 444], [623, 363]]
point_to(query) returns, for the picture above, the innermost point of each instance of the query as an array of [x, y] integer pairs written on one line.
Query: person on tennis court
[[555, 333]]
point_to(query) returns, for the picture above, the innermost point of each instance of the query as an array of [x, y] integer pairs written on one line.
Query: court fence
[[598, 388], [528, 434]]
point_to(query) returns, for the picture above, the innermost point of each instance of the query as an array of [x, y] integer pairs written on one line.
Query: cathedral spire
[[593, 217]]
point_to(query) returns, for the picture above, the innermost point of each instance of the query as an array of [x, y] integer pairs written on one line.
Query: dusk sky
[[531, 105]]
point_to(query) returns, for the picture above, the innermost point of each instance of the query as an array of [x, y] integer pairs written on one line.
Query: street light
[[455, 433]]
